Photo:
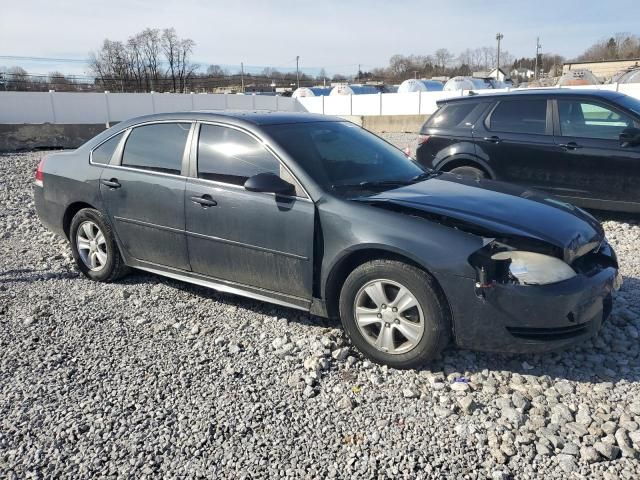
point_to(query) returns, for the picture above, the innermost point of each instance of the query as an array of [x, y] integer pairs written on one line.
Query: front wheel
[[394, 314], [94, 247]]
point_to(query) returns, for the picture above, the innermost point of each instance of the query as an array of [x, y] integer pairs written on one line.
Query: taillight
[[423, 139], [39, 174]]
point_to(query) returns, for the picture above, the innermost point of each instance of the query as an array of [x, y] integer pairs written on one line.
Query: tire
[[467, 171], [362, 321], [104, 250]]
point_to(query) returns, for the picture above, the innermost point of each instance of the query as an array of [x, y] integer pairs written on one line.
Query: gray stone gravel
[[149, 377]]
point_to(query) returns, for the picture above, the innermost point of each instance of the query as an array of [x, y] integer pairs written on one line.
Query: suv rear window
[[451, 115], [520, 116]]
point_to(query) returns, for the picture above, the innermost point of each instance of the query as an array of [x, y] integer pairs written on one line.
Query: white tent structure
[[466, 83], [311, 92], [345, 89], [415, 85]]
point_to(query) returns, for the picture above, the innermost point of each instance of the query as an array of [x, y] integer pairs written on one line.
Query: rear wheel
[[468, 171], [94, 247], [394, 314]]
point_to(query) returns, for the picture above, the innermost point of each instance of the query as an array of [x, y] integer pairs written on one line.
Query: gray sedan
[[314, 213]]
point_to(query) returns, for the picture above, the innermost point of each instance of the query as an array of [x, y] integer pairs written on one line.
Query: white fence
[[95, 108], [416, 103]]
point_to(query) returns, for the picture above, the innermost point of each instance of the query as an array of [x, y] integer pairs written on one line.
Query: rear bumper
[[519, 319]]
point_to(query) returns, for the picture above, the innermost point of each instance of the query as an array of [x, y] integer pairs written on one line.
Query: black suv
[[580, 145]]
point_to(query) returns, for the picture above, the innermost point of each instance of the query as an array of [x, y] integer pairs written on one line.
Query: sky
[[331, 34]]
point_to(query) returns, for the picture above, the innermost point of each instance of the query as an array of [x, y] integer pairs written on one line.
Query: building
[[498, 74], [523, 74], [605, 69]]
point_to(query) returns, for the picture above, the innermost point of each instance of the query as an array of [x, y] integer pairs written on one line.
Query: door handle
[[112, 183], [570, 146], [492, 139], [204, 201]]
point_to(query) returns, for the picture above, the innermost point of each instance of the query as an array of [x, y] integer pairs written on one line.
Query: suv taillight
[[39, 174], [423, 139]]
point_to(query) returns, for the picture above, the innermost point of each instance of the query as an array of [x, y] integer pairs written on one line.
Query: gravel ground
[[150, 377]]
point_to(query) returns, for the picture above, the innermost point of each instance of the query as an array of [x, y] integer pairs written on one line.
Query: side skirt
[[224, 286]]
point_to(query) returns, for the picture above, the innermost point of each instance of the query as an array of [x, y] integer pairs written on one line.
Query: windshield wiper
[[388, 183], [374, 184], [426, 175]]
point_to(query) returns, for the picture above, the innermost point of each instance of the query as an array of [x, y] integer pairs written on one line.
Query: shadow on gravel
[[610, 357], [230, 300], [28, 275]]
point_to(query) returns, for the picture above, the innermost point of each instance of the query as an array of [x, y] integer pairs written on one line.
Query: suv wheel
[[468, 171], [94, 247], [393, 313]]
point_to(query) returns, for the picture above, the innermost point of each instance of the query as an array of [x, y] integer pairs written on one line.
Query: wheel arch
[[467, 161], [70, 212], [353, 259]]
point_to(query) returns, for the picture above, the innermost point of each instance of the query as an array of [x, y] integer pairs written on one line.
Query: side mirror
[[630, 137], [269, 183]]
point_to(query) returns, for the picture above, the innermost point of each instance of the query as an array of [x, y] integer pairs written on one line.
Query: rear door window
[[520, 116], [158, 147], [586, 119], [104, 152]]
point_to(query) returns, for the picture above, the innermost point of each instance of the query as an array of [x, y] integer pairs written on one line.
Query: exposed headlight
[[535, 268]]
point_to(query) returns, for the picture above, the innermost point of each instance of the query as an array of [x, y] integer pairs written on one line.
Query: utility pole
[[242, 75], [415, 74], [298, 70], [538, 47], [499, 37], [358, 79]]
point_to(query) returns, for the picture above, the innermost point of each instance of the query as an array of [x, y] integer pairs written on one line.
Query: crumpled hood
[[502, 208]]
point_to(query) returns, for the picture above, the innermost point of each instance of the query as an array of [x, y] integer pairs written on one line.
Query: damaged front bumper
[[514, 318]]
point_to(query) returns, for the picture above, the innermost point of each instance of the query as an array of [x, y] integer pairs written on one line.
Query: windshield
[[343, 157], [631, 103]]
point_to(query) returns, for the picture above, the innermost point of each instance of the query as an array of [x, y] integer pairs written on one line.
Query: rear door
[[143, 191], [255, 239], [447, 135], [516, 138], [593, 164]]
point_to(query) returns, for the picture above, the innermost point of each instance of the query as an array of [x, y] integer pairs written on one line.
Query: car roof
[[536, 92], [239, 117]]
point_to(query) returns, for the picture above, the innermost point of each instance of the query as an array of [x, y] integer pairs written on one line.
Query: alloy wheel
[[92, 246], [389, 316]]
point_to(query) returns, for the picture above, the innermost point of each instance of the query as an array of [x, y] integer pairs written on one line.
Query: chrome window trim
[[91, 162], [241, 188], [142, 170], [192, 139], [127, 131], [259, 140]]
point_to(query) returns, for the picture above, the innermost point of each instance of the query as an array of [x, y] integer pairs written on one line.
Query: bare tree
[[216, 71], [443, 58]]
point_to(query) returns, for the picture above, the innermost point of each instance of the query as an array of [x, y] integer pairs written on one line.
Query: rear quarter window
[[103, 153], [452, 115]]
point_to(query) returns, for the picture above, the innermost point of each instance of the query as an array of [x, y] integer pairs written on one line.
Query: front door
[[517, 140], [143, 191], [256, 239], [593, 165]]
